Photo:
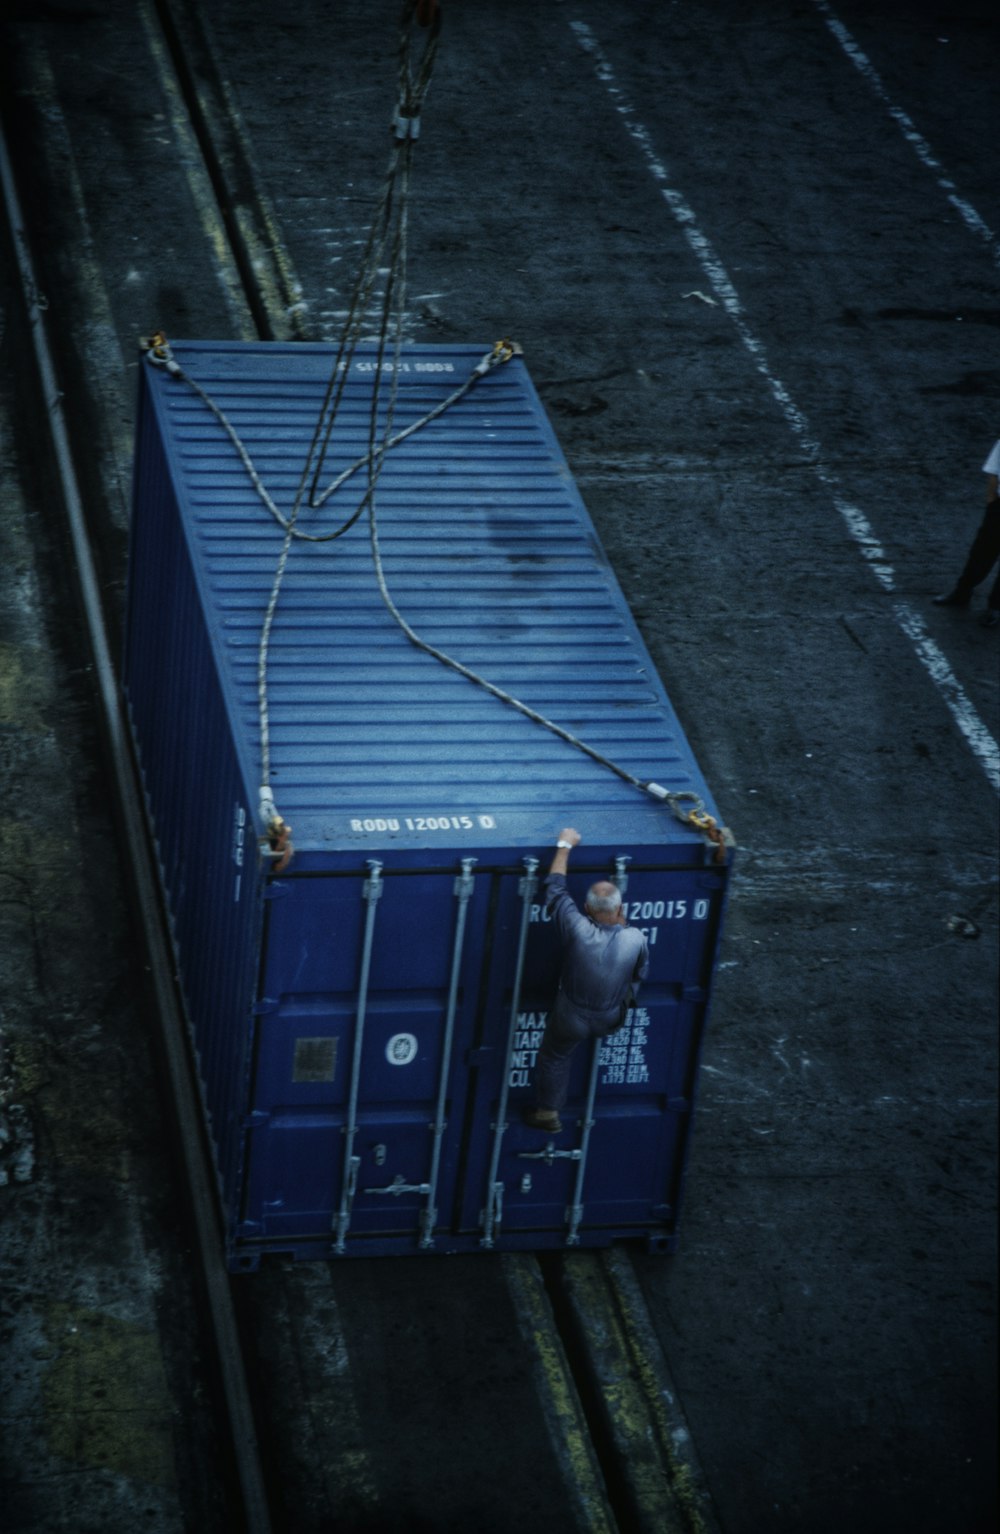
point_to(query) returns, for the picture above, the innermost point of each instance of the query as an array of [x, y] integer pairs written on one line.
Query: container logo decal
[[401, 1049]]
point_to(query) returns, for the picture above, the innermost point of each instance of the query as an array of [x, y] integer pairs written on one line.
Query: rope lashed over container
[[388, 231]]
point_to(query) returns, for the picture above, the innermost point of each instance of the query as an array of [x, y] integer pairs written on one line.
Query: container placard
[[315, 1060], [623, 1054]]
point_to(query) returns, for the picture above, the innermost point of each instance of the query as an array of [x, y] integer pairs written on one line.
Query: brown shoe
[[542, 1118]]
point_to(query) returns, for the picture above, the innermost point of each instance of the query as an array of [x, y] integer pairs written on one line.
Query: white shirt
[[992, 464]]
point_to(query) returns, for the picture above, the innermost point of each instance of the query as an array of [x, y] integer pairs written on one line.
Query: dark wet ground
[[766, 333]]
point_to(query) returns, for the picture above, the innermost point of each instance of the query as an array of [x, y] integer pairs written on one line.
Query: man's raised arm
[[568, 839]]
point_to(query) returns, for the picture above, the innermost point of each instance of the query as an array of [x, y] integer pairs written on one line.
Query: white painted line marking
[[962, 710], [915, 139]]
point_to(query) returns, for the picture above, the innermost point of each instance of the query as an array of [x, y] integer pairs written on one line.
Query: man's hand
[[567, 838]]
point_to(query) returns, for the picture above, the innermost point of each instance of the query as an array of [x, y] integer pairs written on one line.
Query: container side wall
[[201, 821]]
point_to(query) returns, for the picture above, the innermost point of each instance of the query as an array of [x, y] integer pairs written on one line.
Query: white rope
[[685, 804], [391, 216]]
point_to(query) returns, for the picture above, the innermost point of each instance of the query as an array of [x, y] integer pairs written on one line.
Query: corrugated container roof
[[489, 554]]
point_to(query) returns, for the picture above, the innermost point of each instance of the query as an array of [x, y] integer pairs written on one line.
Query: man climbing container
[[604, 960]]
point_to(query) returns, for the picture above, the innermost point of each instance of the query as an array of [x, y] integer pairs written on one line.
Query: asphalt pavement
[[752, 256]]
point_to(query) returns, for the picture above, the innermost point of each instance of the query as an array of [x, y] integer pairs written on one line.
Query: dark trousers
[[983, 555], [564, 1030]]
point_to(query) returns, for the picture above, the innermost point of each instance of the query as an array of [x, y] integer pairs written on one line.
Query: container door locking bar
[[372, 893], [463, 888], [574, 1214], [464, 885], [493, 1212]]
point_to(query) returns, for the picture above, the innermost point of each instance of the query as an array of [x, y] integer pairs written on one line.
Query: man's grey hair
[[607, 904]]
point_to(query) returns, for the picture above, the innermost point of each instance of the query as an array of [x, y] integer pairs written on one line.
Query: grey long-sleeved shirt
[[600, 960]]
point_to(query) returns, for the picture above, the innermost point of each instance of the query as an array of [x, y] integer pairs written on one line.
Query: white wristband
[[567, 845]]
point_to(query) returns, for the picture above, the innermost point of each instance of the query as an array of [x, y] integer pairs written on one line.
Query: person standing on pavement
[[984, 553], [604, 959]]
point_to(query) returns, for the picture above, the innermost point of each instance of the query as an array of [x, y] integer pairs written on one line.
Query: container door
[[367, 986], [617, 1166]]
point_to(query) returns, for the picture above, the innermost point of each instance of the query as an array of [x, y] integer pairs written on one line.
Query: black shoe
[[990, 618], [956, 598], [542, 1118]]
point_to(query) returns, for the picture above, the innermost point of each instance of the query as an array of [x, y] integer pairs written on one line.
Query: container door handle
[[464, 885], [372, 892], [494, 1190], [400, 1185]]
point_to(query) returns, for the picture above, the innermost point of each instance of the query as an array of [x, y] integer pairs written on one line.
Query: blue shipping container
[[365, 1022]]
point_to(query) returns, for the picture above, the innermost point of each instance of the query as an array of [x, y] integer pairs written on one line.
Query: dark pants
[[983, 555], [564, 1030]]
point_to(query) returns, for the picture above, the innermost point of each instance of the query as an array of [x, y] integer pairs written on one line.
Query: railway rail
[[290, 1344]]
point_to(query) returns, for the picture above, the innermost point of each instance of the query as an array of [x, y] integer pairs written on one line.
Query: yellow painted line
[[558, 1398], [261, 250], [107, 1404], [25, 691], [653, 1443], [307, 1319], [612, 1359], [281, 289], [281, 315], [199, 183]]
